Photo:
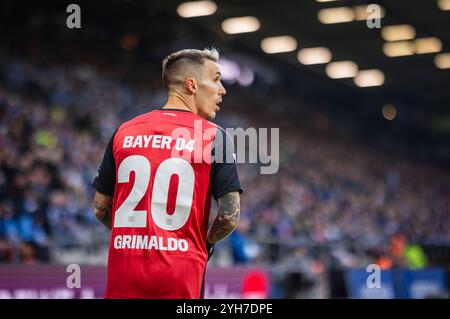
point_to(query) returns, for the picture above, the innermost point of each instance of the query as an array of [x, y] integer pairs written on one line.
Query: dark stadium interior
[[353, 188]]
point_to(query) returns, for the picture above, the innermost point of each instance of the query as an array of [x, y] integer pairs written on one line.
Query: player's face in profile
[[210, 91]]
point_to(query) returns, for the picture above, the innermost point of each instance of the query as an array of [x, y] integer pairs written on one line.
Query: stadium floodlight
[[389, 111], [196, 9], [368, 78], [240, 25], [284, 43], [341, 69], [398, 32], [444, 4], [428, 45], [361, 13], [399, 48], [442, 61], [336, 15], [318, 55], [129, 41]]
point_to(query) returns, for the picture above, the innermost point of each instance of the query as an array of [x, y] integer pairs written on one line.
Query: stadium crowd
[[55, 121]]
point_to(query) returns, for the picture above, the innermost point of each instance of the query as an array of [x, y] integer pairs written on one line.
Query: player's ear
[[191, 85]]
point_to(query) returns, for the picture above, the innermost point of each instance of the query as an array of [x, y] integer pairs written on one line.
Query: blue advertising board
[[398, 283]]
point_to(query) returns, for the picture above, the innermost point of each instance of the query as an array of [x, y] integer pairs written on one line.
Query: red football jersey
[[163, 174]]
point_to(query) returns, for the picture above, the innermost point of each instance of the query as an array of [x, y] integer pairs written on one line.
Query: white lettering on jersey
[[128, 141], [138, 141], [117, 242], [126, 241], [150, 242], [147, 139], [158, 141], [165, 143], [142, 242]]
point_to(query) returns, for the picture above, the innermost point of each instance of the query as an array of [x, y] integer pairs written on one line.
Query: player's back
[[161, 205]]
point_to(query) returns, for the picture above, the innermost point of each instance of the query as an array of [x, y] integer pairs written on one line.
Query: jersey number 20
[[127, 216]]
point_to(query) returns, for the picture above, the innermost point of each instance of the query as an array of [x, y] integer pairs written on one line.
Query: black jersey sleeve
[[105, 180], [224, 173]]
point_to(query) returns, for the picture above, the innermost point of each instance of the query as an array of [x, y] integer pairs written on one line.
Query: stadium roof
[[414, 77], [411, 82]]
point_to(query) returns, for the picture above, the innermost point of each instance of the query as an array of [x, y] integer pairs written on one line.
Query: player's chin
[[212, 115]]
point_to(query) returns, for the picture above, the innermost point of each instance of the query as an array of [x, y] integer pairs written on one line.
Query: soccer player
[[154, 186]]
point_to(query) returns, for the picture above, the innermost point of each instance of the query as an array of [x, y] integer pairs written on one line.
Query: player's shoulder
[[222, 133], [220, 129], [142, 118], [197, 123], [209, 124]]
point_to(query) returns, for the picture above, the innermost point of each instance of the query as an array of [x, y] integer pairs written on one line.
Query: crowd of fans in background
[[358, 202]]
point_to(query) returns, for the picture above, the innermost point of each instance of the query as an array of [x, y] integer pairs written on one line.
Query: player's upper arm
[[103, 208], [105, 180], [104, 184], [230, 208], [102, 202], [224, 173]]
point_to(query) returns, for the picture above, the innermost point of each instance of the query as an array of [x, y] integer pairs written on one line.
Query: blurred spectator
[[55, 120], [243, 247], [415, 257]]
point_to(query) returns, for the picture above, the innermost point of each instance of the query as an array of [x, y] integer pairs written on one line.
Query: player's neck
[[179, 102]]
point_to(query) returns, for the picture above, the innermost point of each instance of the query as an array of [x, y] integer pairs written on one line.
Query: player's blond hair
[[181, 64]]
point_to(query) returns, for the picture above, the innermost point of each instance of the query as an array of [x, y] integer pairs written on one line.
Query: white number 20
[[127, 216]]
